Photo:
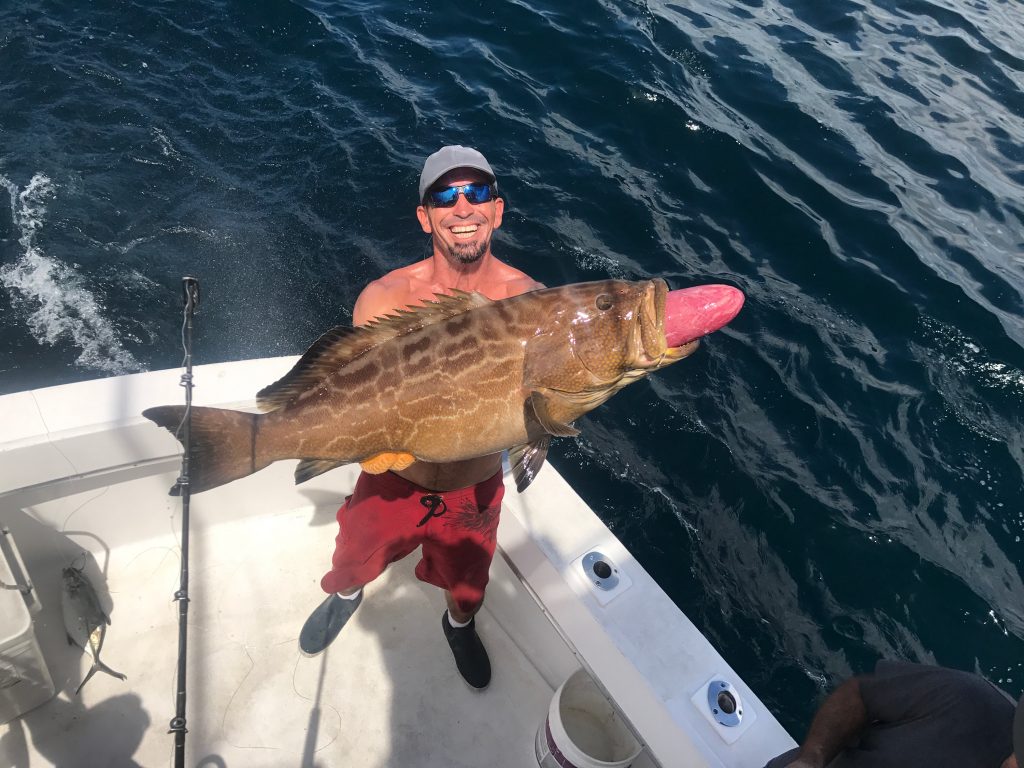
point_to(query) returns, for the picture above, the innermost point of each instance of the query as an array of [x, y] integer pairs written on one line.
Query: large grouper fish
[[455, 378]]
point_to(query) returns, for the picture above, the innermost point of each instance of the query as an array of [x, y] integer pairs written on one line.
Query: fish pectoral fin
[[554, 412], [527, 459], [382, 462], [310, 468]]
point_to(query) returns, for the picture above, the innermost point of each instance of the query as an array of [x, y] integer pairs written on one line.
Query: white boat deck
[[386, 693], [80, 470]]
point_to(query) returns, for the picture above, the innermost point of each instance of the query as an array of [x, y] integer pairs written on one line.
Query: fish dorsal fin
[[343, 344], [527, 459]]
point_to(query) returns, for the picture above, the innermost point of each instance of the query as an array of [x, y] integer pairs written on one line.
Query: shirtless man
[[451, 509]]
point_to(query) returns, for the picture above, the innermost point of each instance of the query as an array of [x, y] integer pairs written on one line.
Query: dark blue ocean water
[[835, 477]]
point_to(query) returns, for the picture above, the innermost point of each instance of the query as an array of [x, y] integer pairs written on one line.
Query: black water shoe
[[324, 624], [470, 654]]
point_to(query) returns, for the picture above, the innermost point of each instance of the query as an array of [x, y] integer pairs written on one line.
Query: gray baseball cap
[[448, 159]]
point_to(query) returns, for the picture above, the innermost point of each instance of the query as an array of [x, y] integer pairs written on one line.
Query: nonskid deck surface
[[386, 693]]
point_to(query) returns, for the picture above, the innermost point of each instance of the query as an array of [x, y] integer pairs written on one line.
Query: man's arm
[[837, 724]]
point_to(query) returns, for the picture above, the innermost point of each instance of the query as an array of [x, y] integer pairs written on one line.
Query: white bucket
[[582, 729]]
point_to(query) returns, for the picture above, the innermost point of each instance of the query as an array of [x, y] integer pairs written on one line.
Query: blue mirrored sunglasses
[[475, 193]]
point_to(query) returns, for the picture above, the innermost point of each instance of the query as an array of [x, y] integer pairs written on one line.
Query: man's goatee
[[468, 253]]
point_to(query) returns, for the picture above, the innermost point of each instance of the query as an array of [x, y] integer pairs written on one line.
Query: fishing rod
[[190, 288]]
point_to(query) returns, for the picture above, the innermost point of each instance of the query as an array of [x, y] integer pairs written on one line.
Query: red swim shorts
[[387, 517]]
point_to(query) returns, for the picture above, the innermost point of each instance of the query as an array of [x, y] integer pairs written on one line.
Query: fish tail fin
[[223, 443], [98, 666]]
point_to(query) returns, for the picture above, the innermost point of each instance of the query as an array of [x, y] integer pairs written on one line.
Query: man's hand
[[838, 723]]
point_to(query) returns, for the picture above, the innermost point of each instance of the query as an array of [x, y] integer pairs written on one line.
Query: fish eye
[[604, 301]]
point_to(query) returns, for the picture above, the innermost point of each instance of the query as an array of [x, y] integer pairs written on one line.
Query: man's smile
[[464, 231]]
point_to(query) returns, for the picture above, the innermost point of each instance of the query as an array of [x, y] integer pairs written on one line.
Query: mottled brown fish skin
[[456, 389], [498, 375]]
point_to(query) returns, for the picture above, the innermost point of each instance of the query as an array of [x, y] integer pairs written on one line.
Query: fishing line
[[186, 346], [190, 288]]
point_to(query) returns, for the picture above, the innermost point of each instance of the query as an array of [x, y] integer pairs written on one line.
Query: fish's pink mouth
[[694, 312]]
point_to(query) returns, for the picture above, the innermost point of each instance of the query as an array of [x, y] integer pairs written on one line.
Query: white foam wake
[[58, 304]]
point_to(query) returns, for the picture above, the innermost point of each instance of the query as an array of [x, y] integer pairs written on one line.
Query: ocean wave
[[57, 304]]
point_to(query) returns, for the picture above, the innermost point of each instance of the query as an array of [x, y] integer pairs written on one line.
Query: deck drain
[[600, 570], [724, 703]]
